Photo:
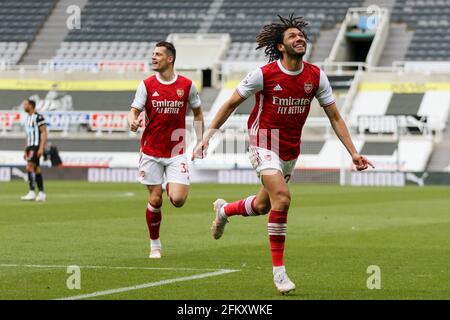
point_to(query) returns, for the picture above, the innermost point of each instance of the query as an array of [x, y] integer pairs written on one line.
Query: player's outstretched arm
[[133, 121], [219, 119], [343, 134]]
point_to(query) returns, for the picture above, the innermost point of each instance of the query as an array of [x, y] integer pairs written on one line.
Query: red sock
[[153, 215], [277, 233], [244, 207]]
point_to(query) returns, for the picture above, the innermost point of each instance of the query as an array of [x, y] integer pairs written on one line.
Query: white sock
[[155, 243], [279, 269], [222, 212]]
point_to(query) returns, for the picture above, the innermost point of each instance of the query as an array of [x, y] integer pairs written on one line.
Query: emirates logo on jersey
[[180, 92], [291, 105], [308, 87]]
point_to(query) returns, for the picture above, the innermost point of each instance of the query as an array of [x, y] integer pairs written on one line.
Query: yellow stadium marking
[[397, 87], [405, 87], [231, 84], [74, 85]]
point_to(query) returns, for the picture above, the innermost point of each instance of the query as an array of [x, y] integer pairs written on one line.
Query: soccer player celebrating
[[164, 98], [36, 132], [284, 89]]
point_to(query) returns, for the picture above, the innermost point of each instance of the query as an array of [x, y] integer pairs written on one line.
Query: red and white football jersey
[[283, 100], [165, 106]]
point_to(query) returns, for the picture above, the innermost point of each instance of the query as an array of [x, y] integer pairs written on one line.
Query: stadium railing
[[379, 18]]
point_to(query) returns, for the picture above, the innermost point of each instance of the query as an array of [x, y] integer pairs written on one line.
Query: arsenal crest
[[308, 87], [180, 92]]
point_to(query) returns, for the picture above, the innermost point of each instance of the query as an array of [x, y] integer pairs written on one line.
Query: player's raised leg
[[253, 205], [177, 175], [280, 199], [177, 193], [154, 216]]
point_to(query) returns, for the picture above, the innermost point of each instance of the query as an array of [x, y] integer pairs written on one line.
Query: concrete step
[[43, 54], [396, 44], [324, 43]]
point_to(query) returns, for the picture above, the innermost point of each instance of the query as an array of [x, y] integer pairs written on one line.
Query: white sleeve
[[251, 84], [325, 93], [141, 97], [194, 98]]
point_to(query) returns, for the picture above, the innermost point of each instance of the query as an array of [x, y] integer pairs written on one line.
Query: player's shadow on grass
[[294, 295]]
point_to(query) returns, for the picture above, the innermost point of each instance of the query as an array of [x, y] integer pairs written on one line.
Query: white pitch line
[[147, 285], [102, 267], [74, 196]]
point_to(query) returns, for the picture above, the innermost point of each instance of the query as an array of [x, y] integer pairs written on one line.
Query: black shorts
[[32, 154]]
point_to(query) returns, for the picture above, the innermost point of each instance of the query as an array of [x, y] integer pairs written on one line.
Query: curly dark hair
[[272, 34]]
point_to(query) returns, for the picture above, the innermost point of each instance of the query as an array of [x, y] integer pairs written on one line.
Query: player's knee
[[155, 200], [262, 208], [283, 200], [178, 201]]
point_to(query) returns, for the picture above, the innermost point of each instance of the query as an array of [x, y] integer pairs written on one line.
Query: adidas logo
[[277, 88], [155, 94]]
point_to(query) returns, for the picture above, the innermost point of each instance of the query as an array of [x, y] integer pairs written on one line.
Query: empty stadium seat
[[139, 20], [12, 51], [431, 22], [114, 50], [20, 21], [142, 21]]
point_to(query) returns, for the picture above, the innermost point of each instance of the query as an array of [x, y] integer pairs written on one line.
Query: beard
[[290, 51]]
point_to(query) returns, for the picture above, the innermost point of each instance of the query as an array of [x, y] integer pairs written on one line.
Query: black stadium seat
[[20, 21], [431, 22]]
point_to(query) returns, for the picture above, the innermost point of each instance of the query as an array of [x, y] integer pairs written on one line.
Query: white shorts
[[152, 170], [263, 159]]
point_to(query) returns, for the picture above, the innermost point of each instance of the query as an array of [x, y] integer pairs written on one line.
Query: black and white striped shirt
[[33, 123]]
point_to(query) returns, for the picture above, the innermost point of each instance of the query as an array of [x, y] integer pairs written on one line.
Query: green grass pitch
[[334, 234]]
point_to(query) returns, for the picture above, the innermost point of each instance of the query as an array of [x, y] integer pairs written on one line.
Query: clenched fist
[[135, 125]]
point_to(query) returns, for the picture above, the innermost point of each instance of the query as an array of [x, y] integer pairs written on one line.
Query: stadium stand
[[244, 20], [432, 106], [139, 20], [125, 30], [12, 51], [115, 32], [19, 24], [430, 20], [114, 50], [20, 21], [106, 31]]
